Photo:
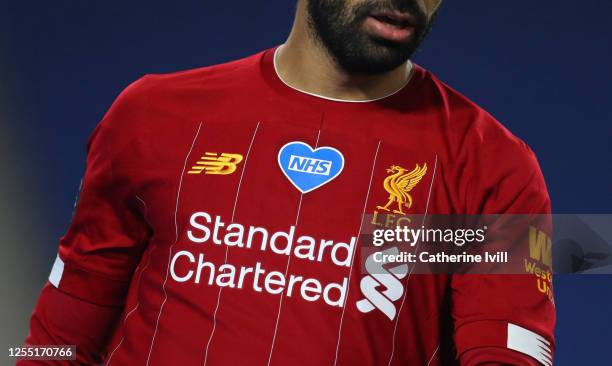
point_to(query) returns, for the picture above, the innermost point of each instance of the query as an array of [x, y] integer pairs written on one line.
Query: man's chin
[[385, 52], [381, 45], [372, 55], [373, 64]]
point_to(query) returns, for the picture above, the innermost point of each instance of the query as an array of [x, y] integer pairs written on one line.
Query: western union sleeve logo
[[540, 251], [540, 246], [212, 163]]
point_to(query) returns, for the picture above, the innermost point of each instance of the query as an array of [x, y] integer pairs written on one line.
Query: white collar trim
[[410, 74]]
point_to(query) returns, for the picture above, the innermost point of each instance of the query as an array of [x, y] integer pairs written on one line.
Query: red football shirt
[[219, 254]]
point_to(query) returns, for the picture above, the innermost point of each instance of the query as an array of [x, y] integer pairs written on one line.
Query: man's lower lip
[[387, 31]]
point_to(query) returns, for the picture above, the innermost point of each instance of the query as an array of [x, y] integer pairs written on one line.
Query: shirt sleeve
[[103, 245], [108, 234], [506, 319]]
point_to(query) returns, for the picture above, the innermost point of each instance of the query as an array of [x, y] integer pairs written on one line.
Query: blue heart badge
[[307, 168]]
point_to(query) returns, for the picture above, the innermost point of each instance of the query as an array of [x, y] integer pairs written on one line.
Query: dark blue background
[[541, 67]]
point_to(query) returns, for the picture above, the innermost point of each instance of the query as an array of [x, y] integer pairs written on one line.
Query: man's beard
[[339, 28]]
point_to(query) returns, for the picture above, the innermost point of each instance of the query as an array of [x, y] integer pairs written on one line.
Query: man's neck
[[304, 64]]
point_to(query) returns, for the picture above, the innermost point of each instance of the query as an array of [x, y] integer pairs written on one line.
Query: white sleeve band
[[527, 342], [56, 272]]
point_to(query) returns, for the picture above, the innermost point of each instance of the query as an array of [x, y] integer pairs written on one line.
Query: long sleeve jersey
[[219, 224]]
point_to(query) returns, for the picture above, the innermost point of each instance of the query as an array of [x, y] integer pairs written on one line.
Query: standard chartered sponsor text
[[193, 265]]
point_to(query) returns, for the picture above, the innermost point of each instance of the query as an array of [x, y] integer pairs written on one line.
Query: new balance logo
[[381, 278], [212, 163], [309, 165]]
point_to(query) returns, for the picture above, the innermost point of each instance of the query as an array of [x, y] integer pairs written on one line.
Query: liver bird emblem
[[399, 184]]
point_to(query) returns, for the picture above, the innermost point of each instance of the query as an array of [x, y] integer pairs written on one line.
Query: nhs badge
[[307, 168]]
